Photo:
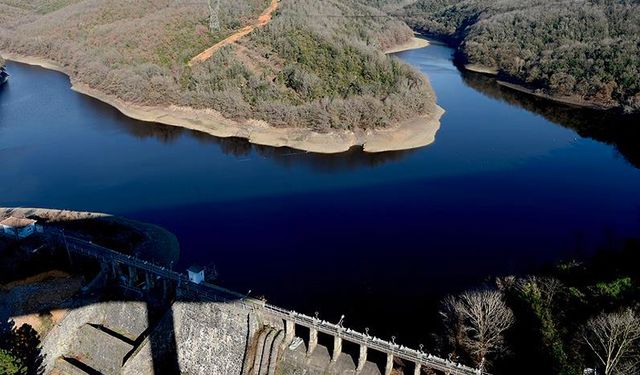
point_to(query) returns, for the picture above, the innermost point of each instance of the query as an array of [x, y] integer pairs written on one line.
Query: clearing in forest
[[264, 19]]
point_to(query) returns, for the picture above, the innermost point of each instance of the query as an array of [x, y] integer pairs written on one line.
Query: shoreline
[[414, 133], [414, 43], [476, 68], [567, 100], [576, 102]]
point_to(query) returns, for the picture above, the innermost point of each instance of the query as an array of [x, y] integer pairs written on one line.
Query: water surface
[[510, 183]]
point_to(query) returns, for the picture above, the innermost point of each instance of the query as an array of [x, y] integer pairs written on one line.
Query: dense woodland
[[587, 50], [310, 67]]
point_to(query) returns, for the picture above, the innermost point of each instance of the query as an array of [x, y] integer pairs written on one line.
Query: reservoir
[[511, 183]]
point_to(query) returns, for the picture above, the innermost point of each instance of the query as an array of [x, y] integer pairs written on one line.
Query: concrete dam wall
[[188, 338]]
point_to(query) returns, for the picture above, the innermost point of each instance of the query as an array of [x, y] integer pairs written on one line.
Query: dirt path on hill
[[264, 19]]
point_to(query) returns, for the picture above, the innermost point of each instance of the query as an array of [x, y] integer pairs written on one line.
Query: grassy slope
[[304, 69]]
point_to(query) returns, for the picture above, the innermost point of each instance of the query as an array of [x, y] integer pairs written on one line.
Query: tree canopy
[[310, 67], [587, 50]]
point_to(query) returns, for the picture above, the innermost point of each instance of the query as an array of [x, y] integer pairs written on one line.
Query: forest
[[304, 69], [572, 318], [586, 51]]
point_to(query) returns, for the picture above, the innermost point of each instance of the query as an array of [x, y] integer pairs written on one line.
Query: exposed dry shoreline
[[570, 100], [414, 43], [414, 133], [476, 68]]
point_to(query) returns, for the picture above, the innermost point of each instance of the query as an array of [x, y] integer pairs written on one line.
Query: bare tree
[[477, 321], [614, 338]]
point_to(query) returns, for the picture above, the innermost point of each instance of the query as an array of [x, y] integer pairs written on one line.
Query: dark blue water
[[507, 186]]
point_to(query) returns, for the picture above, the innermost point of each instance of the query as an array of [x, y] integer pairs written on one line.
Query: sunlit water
[[376, 237]]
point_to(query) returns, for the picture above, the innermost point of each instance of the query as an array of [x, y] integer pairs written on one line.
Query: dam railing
[[218, 294]]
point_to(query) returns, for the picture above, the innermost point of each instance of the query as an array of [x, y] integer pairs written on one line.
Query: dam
[[156, 320]]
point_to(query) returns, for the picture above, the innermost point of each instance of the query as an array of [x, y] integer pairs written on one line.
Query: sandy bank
[[414, 43], [476, 68], [415, 133]]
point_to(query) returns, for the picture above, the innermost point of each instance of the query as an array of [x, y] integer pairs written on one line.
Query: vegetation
[[19, 349], [564, 319], [476, 322], [310, 67], [585, 51], [614, 339], [10, 365]]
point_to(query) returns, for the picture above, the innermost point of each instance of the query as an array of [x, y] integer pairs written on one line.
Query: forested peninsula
[[308, 78], [584, 52]]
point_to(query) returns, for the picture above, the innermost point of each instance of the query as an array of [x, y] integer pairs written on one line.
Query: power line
[[389, 15]]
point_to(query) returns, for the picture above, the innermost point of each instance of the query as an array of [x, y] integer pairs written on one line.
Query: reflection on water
[[240, 147], [500, 190], [621, 131]]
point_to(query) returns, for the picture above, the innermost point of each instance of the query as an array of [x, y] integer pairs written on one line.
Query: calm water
[[509, 184]]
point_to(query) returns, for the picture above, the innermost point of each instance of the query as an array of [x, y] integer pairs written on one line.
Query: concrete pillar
[[148, 281], [164, 289], [114, 270], [132, 276], [290, 331], [416, 370], [337, 348], [362, 358], [313, 340], [389, 367]]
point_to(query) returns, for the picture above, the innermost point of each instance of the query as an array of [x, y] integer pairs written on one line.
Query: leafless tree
[[614, 338], [477, 321]]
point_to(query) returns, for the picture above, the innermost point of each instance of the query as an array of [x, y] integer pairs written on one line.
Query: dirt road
[[264, 19]]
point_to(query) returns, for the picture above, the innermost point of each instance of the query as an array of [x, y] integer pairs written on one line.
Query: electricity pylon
[[214, 19]]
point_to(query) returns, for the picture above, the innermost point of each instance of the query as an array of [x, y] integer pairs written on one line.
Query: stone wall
[[126, 318], [209, 338]]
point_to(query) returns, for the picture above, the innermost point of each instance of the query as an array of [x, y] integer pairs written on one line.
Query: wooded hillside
[[310, 67], [585, 49]]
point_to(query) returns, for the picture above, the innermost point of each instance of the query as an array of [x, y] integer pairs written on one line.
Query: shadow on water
[[619, 130]]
